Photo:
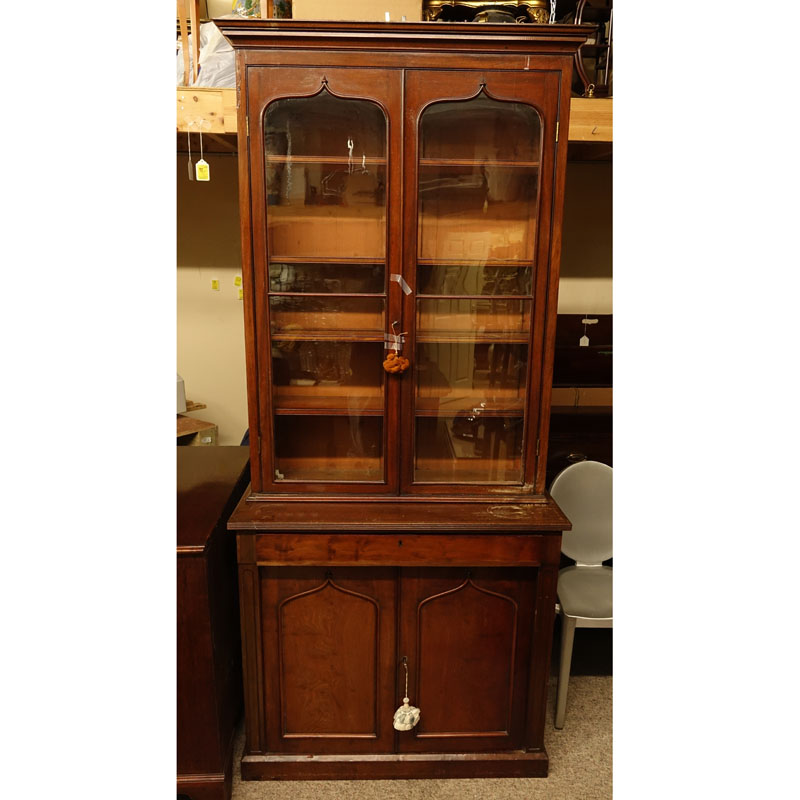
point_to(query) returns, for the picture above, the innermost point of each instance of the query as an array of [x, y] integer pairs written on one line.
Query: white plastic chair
[[583, 491]]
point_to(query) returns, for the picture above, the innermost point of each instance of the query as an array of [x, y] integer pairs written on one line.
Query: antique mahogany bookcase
[[401, 192]]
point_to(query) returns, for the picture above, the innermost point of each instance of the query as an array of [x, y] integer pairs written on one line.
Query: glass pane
[[324, 211], [337, 120], [477, 213], [473, 279], [477, 210], [326, 177], [482, 129], [328, 448], [334, 278], [443, 318], [465, 377], [330, 375], [301, 316], [472, 446]]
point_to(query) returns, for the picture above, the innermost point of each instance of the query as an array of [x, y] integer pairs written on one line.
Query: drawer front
[[401, 549]]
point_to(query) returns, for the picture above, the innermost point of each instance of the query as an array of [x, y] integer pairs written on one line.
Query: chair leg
[[567, 638]]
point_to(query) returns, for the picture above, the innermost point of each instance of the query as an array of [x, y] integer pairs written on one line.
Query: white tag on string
[[402, 281], [584, 340]]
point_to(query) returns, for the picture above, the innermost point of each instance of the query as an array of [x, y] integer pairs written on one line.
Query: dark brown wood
[[210, 480], [342, 577], [330, 639], [391, 514], [405, 549], [396, 765], [466, 633]]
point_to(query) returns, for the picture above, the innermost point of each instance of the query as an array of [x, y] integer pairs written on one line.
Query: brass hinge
[[247, 126], [557, 131]]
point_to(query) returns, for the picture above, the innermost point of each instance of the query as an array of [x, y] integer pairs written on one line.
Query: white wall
[[210, 324], [586, 250]]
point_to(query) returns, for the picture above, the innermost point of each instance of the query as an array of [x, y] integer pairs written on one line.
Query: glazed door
[[479, 154], [324, 153], [467, 636]]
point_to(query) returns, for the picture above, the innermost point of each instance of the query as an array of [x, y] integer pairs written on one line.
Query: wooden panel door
[[324, 150], [329, 659], [467, 637], [478, 195]]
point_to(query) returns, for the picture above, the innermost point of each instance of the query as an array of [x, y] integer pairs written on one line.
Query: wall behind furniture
[[210, 323], [586, 249]]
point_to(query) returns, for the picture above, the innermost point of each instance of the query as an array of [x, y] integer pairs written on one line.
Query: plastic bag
[[216, 62]]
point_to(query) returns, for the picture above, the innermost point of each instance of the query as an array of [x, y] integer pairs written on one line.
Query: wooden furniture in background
[[196, 432], [399, 180], [209, 689], [581, 414]]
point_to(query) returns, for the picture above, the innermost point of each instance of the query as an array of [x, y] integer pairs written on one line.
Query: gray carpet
[[580, 763]]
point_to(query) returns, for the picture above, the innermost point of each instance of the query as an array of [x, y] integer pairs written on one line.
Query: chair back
[[583, 492]]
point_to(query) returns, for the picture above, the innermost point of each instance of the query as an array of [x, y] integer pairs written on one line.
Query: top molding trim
[[258, 33]]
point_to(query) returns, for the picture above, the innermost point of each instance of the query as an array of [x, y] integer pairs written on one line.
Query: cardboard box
[[358, 10]]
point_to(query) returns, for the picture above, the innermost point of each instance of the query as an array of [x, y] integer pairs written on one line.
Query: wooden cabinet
[[401, 191], [209, 693]]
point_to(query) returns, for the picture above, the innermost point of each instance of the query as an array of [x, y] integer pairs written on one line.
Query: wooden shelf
[[214, 111], [591, 119], [474, 162], [473, 262], [335, 400], [356, 162], [445, 337], [326, 336]]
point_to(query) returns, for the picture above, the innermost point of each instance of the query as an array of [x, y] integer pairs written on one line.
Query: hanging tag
[[402, 281], [201, 170], [407, 716], [584, 341], [393, 342]]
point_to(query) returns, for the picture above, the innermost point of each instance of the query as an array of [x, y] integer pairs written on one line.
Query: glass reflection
[[472, 446], [328, 448], [300, 315], [326, 277], [328, 375]]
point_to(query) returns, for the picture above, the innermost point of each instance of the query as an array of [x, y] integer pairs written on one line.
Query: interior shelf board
[[474, 162], [474, 262], [326, 336], [446, 337], [315, 159], [310, 411], [356, 261]]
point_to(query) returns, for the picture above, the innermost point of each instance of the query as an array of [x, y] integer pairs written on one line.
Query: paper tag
[[584, 342], [392, 342], [201, 170], [402, 281], [237, 281]]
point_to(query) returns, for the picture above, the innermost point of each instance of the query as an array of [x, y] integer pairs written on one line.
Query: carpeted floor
[[580, 762]]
